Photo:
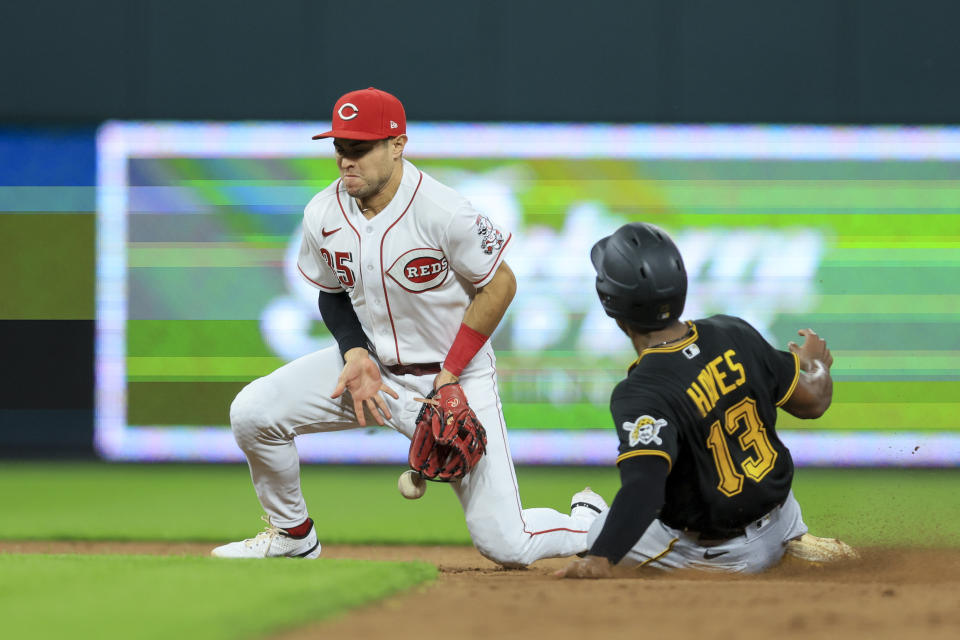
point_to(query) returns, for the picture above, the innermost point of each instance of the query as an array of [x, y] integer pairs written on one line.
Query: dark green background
[[824, 61]]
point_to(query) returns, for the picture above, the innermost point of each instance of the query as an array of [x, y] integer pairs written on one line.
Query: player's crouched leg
[[265, 435], [514, 541], [251, 415], [497, 541]]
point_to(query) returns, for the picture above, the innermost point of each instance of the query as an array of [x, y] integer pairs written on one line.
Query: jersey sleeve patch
[[644, 430], [644, 421], [491, 238], [475, 245]]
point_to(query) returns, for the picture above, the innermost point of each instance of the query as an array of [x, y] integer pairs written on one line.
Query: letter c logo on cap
[[345, 106]]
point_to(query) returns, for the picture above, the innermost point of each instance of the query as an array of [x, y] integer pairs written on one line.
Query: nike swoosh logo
[[710, 556], [329, 233]]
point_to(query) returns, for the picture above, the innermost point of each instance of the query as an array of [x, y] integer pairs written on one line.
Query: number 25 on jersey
[[338, 262]]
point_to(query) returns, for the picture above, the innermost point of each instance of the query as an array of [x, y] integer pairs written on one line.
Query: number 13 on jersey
[[741, 418]]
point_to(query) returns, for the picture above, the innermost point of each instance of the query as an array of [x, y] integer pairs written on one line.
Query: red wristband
[[465, 346]]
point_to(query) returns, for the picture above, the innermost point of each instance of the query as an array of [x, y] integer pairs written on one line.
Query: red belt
[[415, 369]]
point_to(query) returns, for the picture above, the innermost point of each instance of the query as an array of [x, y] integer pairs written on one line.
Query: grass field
[[89, 596], [361, 505], [352, 505]]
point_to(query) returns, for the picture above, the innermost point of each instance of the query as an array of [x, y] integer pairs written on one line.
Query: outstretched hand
[[591, 567], [361, 377], [814, 348]]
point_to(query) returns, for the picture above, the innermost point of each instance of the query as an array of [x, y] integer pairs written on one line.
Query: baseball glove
[[448, 440]]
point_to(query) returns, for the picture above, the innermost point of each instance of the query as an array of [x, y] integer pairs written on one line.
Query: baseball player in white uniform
[[412, 281]]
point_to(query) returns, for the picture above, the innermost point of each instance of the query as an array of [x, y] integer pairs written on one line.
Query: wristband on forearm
[[466, 345]]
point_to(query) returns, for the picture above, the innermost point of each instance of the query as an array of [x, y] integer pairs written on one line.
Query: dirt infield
[[889, 594]]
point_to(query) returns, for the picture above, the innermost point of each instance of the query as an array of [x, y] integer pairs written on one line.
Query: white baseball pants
[[295, 400]]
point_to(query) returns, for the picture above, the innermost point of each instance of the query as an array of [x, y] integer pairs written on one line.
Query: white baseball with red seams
[[410, 272], [411, 485]]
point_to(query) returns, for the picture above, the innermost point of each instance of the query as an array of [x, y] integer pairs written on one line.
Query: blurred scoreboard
[[851, 231]]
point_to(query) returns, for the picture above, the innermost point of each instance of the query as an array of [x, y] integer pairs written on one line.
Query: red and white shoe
[[272, 542]]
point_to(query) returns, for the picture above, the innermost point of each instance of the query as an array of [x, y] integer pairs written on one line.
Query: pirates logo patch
[[645, 430]]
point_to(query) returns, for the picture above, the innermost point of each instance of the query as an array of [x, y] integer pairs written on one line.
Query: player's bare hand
[[444, 377], [814, 348], [361, 377], [590, 567]]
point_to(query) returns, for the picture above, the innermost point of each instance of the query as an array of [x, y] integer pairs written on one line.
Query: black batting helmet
[[640, 276]]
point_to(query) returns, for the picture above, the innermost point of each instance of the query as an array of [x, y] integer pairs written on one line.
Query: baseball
[[411, 484]]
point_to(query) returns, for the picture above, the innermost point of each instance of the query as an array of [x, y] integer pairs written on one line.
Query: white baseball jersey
[[410, 271]]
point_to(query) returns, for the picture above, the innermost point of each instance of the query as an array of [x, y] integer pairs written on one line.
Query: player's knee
[[249, 414], [505, 548], [503, 555]]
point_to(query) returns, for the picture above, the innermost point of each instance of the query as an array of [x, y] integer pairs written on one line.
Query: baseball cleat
[[272, 542], [814, 549], [587, 504]]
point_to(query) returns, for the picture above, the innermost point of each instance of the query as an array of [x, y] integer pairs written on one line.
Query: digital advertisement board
[[852, 231]]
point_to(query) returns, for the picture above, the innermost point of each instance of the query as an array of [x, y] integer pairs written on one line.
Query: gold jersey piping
[[796, 378], [668, 348], [646, 452]]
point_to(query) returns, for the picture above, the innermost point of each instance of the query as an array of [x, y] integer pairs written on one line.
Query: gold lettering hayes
[[712, 381]]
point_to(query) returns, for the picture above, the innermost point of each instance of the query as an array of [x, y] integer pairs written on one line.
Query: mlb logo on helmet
[[367, 114]]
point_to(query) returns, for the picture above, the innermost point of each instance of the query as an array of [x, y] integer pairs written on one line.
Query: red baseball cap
[[367, 114]]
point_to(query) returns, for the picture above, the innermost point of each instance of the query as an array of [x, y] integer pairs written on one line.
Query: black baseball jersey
[[708, 405]]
